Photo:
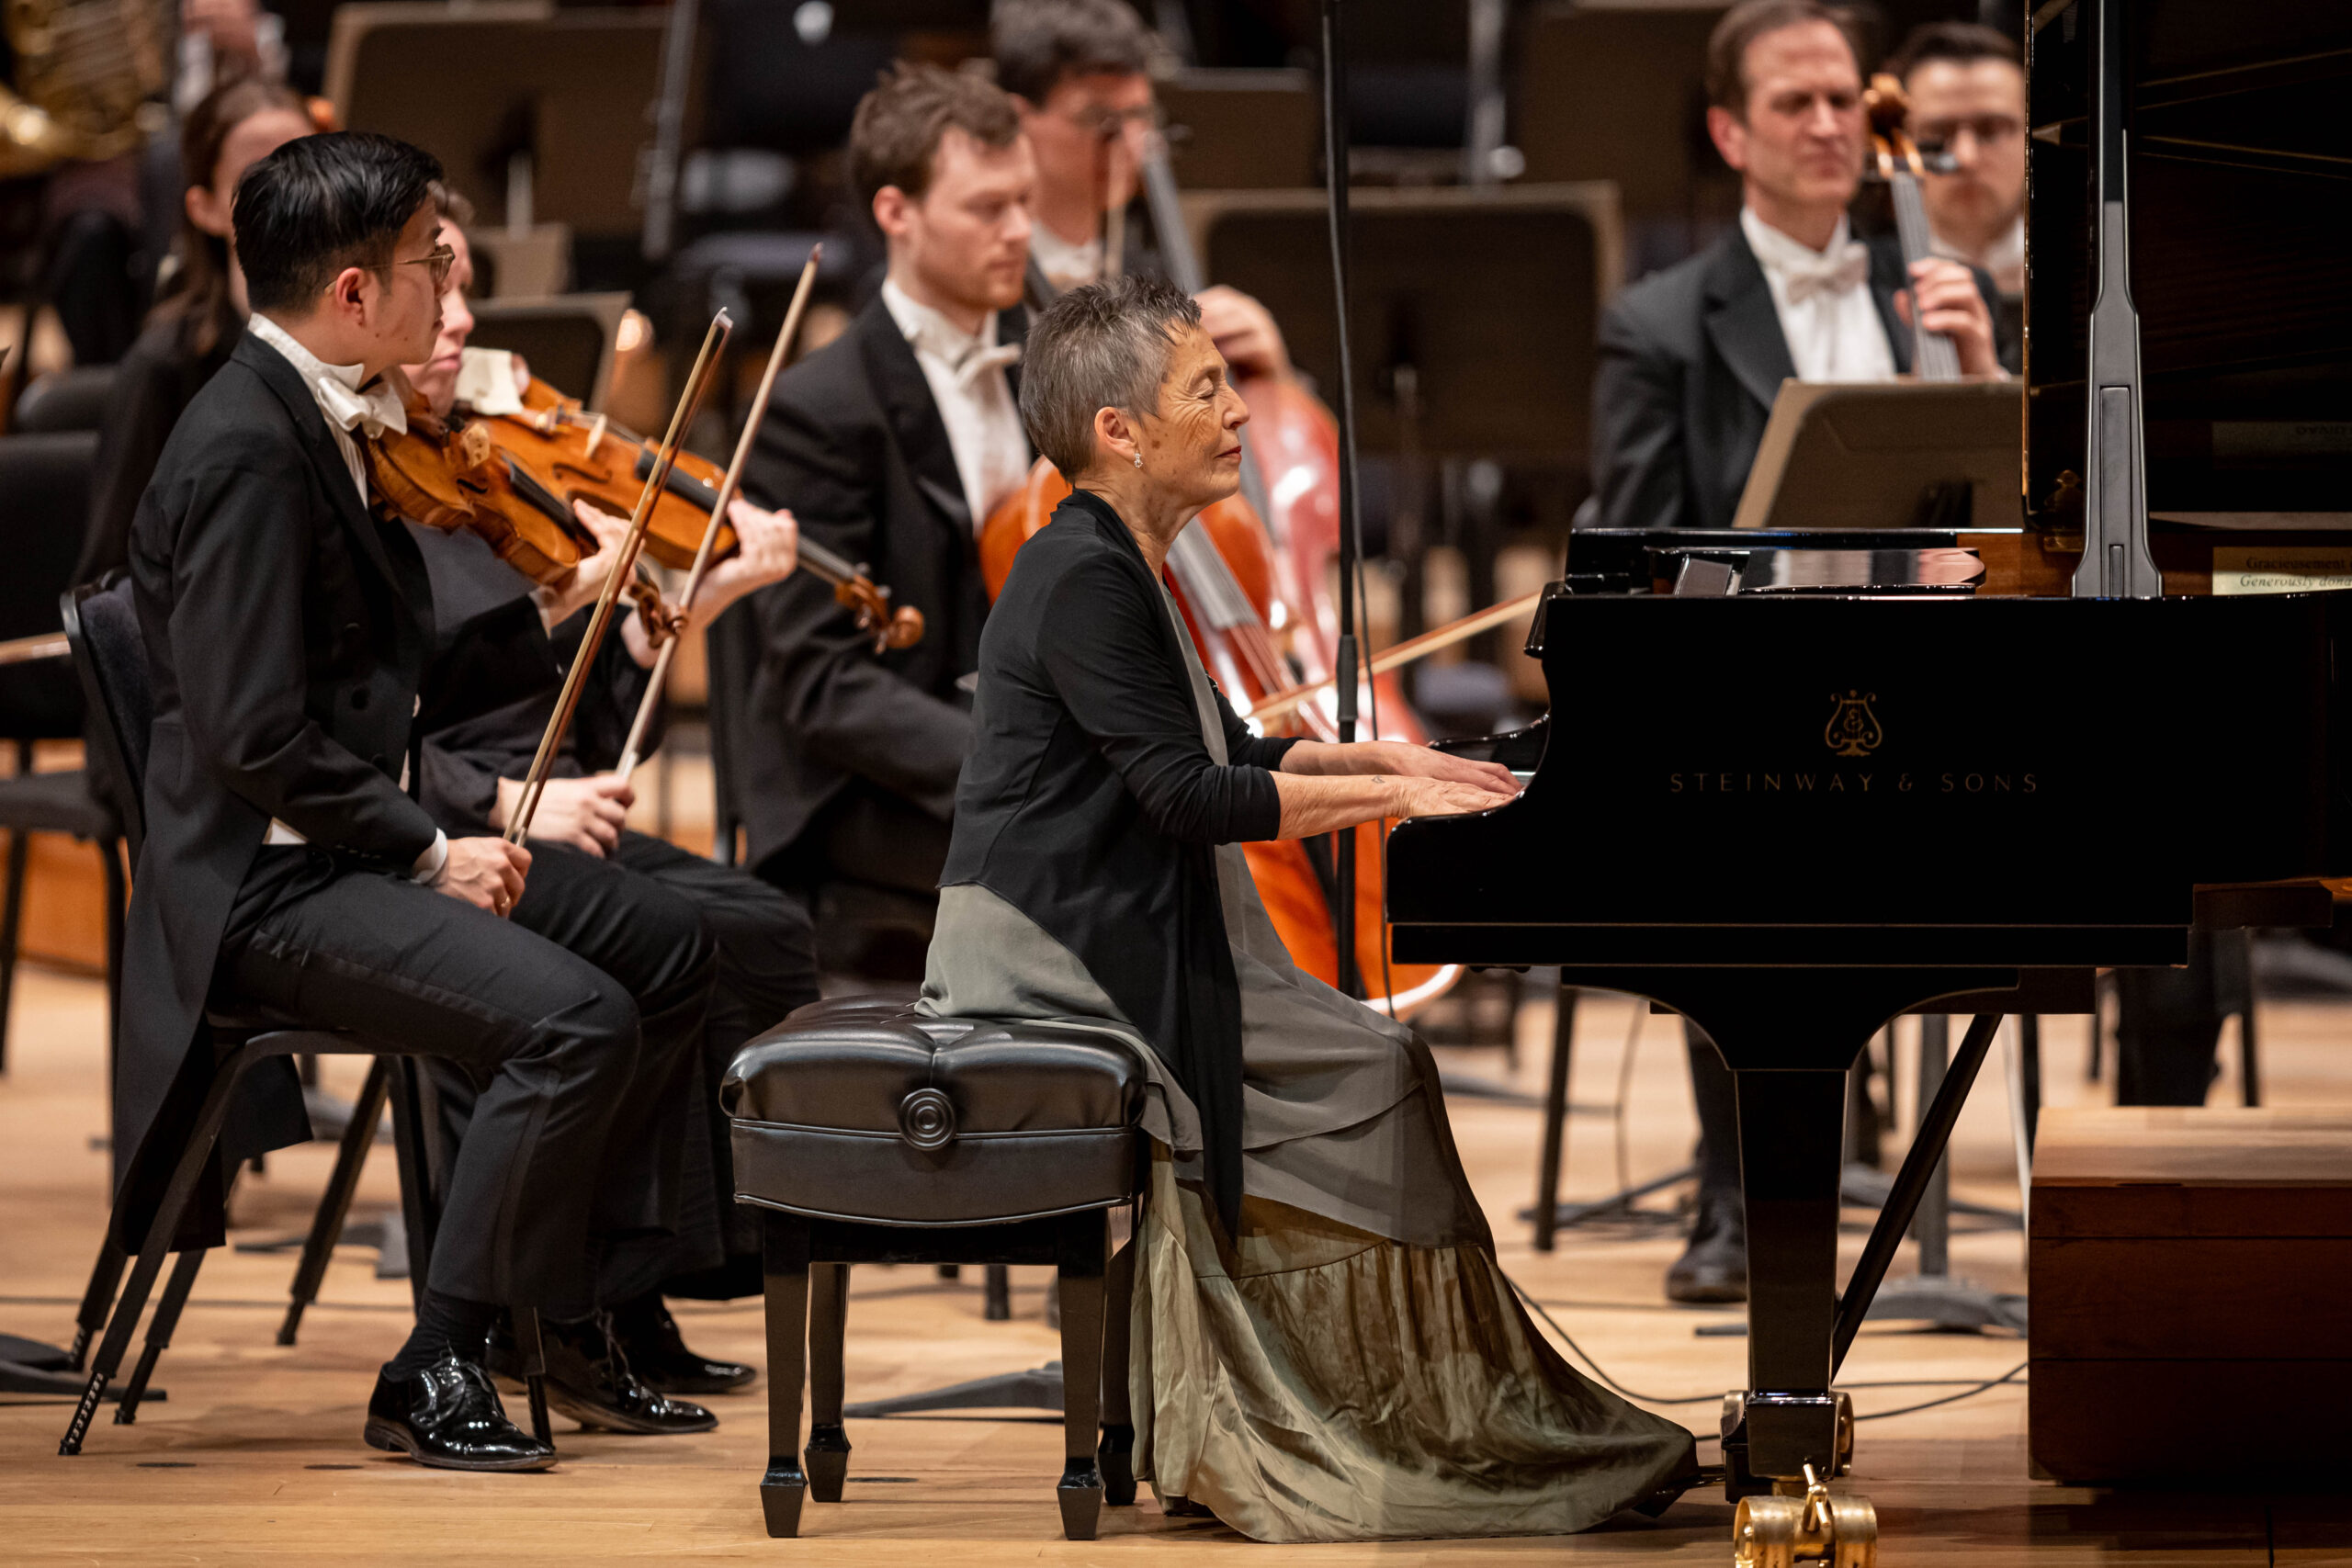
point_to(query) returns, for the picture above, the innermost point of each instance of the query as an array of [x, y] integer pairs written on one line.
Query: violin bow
[[1276, 704], [623, 567], [719, 502]]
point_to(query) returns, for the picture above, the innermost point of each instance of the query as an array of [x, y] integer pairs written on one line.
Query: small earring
[[1138, 459]]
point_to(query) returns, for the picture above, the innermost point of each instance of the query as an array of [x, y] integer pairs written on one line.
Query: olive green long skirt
[[1352, 1366]]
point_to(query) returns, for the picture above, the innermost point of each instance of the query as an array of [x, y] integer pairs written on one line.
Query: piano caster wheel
[[1780, 1531]]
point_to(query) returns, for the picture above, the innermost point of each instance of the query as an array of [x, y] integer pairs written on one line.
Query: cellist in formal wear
[[890, 445], [286, 866], [1692, 359], [1080, 72]]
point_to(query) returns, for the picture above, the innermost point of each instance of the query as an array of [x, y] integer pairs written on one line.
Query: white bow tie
[[1834, 273], [369, 413], [977, 362]]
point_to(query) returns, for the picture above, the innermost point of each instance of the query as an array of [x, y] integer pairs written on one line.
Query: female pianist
[[1324, 1347]]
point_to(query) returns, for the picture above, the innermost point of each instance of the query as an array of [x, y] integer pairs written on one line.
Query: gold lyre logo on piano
[[1852, 730]]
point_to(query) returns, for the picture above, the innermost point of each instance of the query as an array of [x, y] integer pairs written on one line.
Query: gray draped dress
[[1352, 1365]]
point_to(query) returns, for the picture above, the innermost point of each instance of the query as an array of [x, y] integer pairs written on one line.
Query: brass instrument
[[87, 74]]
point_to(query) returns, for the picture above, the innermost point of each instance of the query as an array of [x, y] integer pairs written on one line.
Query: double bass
[[1252, 579]]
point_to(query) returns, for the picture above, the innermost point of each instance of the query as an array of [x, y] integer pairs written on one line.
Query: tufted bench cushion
[[864, 1109]]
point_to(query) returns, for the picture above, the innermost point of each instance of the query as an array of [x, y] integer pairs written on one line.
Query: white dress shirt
[[335, 389], [966, 372], [1823, 299], [1066, 266]]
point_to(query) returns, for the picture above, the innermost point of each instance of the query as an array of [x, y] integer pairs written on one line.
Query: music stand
[[565, 340], [1240, 130], [1889, 455], [1615, 92], [476, 84], [1492, 294]]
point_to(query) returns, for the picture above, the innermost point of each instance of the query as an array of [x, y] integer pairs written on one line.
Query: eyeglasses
[[1990, 130], [1107, 123], [441, 259]]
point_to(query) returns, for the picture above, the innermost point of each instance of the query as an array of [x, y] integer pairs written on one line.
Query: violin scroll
[[892, 626]]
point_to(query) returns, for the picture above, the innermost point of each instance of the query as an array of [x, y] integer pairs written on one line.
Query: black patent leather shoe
[[589, 1379], [1712, 1269], [448, 1417], [659, 1355]]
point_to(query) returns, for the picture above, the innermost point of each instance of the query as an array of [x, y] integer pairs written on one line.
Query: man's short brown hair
[[895, 139], [1963, 44], [1039, 43], [1751, 20]]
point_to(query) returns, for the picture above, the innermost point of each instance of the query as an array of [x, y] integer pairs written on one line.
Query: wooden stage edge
[[255, 1458]]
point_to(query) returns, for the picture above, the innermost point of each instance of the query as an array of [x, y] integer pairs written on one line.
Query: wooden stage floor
[[255, 1458]]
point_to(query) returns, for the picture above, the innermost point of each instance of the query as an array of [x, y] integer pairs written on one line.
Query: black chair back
[[44, 508], [102, 627], [65, 400]]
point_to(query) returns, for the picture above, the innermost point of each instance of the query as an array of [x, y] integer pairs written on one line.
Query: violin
[[1248, 577], [1897, 161], [448, 475], [511, 479], [570, 455]]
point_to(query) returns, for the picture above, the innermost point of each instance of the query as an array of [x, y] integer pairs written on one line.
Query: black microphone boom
[[1335, 184]]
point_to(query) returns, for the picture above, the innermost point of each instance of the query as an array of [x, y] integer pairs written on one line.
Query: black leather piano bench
[[868, 1134]]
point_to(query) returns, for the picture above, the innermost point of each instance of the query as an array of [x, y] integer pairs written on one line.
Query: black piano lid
[[2239, 169]]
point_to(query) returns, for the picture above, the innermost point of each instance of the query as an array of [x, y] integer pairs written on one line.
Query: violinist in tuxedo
[[289, 867], [638, 907], [1080, 73], [1692, 359], [890, 445]]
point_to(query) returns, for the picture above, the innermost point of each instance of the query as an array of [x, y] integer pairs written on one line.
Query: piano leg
[[1791, 1127]]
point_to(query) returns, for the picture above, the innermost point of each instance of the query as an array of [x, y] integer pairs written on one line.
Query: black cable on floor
[[1987, 1385], [1968, 1392]]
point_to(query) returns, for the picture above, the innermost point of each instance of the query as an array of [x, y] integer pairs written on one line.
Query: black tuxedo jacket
[[854, 445], [1691, 360], [287, 632]]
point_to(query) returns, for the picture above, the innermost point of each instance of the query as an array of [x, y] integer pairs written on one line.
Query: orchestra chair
[[868, 1134], [64, 400], [44, 503], [102, 627]]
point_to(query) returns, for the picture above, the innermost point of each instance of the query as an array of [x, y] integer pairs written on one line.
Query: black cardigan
[[1091, 804]]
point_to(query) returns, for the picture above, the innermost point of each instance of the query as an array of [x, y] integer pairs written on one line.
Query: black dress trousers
[[666, 924], [766, 968], [572, 1151]]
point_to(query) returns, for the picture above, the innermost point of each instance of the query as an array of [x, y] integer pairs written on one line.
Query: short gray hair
[[1104, 346]]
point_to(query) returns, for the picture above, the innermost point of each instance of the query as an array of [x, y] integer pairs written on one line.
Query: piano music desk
[[2191, 1322]]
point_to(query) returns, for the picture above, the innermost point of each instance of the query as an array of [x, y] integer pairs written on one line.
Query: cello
[[1897, 161], [1250, 580]]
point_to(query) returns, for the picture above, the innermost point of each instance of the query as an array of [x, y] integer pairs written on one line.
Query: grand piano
[[1793, 803]]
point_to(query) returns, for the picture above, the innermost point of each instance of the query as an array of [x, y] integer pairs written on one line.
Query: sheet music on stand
[[1884, 455]]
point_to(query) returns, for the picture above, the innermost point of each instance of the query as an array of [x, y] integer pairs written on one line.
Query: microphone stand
[[1335, 184]]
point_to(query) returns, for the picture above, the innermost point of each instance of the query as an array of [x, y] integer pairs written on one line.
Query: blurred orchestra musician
[[1691, 359], [196, 325], [1966, 87], [1080, 71], [638, 907], [890, 445]]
